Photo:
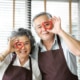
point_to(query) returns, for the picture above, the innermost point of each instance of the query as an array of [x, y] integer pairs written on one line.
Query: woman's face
[[25, 50]]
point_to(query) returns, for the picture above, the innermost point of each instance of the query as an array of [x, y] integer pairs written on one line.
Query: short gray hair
[[42, 13]]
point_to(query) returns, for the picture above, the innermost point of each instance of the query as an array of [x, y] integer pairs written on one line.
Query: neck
[[48, 43], [23, 60]]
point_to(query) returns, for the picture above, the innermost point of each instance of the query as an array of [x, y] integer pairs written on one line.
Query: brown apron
[[17, 72], [53, 65]]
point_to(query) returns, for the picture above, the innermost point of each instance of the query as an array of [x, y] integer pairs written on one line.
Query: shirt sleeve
[[70, 58], [6, 60], [35, 52]]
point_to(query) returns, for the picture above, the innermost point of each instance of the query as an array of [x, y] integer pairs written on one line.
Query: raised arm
[[9, 49], [73, 44]]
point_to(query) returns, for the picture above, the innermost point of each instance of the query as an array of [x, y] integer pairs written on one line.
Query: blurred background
[[19, 13]]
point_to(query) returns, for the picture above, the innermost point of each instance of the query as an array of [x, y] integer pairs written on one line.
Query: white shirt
[[69, 57], [36, 75]]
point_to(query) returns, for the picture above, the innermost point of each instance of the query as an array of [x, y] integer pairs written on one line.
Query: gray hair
[[42, 13], [24, 32]]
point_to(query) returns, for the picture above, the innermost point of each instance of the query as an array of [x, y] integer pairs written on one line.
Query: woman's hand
[[10, 47]]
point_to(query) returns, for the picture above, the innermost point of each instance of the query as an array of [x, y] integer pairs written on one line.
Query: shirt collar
[[43, 47], [17, 63]]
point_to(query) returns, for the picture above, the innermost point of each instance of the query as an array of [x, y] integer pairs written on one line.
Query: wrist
[[4, 54], [2, 57], [60, 32]]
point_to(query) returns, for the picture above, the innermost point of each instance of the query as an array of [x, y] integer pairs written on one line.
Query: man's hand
[[56, 25]]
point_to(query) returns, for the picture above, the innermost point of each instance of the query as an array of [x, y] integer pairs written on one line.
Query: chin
[[45, 39], [24, 57]]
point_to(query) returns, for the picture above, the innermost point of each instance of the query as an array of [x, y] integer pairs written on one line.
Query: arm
[[73, 44], [9, 49], [3, 55]]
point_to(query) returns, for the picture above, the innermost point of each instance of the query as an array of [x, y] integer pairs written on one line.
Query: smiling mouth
[[45, 33], [23, 52]]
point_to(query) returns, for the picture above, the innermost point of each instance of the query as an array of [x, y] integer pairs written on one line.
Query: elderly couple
[[55, 54]]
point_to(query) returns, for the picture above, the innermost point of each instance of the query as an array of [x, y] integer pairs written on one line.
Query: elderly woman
[[16, 62]]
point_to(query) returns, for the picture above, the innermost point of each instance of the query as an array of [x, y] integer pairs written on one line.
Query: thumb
[[51, 31]]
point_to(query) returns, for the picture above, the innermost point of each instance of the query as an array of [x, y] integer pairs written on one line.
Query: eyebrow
[[38, 25], [27, 41]]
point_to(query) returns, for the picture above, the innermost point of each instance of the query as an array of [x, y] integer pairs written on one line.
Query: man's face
[[39, 27]]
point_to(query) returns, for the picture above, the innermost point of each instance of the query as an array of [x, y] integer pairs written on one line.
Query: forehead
[[40, 19], [23, 38]]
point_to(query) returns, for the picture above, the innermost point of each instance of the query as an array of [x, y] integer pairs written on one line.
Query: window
[[20, 15], [6, 14]]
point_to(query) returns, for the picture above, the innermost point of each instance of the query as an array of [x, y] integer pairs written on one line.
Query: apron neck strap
[[59, 42]]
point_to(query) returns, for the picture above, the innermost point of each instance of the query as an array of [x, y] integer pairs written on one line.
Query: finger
[[54, 19], [51, 31], [14, 38]]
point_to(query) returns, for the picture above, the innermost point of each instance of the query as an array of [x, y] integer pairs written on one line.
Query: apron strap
[[13, 58], [59, 42], [30, 63]]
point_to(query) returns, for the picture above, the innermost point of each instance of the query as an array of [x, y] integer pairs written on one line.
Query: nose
[[43, 28], [23, 47]]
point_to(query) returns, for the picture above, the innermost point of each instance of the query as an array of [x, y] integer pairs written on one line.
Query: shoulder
[[35, 65], [34, 62], [63, 44], [35, 52]]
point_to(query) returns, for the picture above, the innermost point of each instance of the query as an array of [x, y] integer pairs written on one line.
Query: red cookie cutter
[[19, 45], [47, 25]]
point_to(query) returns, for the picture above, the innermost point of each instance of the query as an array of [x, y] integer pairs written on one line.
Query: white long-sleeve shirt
[[35, 70]]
